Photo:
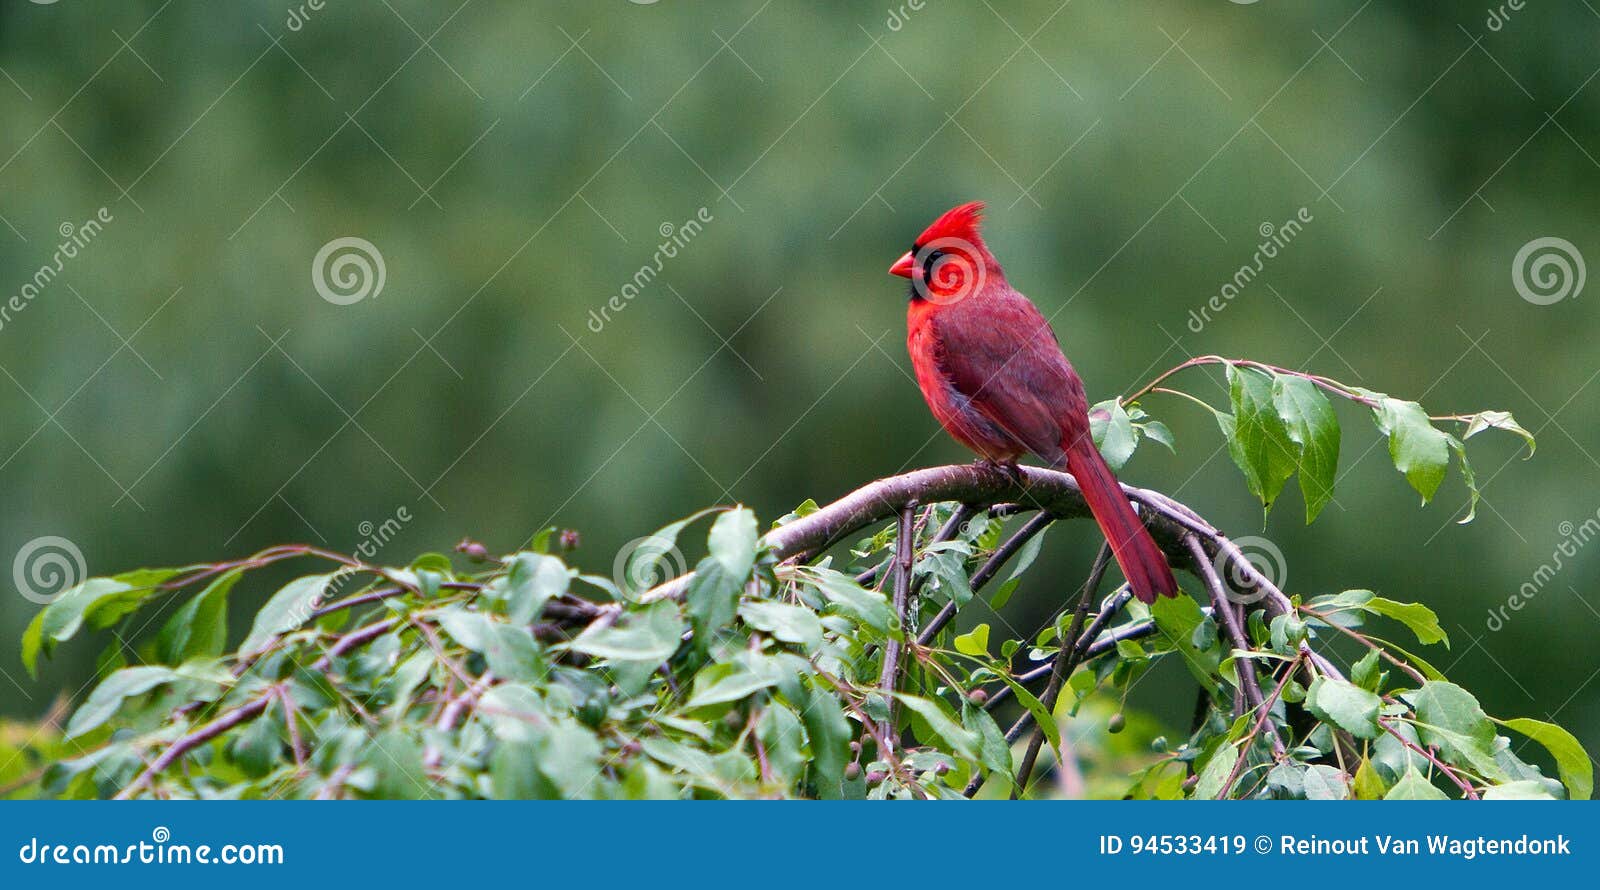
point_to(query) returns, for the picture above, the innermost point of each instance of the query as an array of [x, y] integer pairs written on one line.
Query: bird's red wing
[[1002, 355]]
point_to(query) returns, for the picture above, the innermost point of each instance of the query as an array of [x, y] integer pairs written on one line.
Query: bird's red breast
[[985, 359]]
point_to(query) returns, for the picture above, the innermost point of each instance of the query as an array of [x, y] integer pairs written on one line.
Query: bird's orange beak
[[903, 266]]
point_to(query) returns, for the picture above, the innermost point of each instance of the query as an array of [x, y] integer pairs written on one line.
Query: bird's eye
[[932, 259]]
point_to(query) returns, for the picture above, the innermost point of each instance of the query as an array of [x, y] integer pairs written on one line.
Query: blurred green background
[[181, 392]]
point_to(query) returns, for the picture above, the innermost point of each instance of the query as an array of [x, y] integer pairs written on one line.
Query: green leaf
[[1423, 621], [99, 602], [733, 542], [1412, 786], [961, 741], [1019, 564], [1469, 478], [569, 756], [395, 758], [470, 629], [1369, 784], [1323, 782], [1522, 789], [1041, 714], [780, 734], [647, 560], [791, 624], [712, 599], [829, 734], [1450, 717], [1210, 782], [513, 712], [289, 608], [1577, 770], [713, 595], [106, 698], [1314, 429], [725, 682], [1345, 705], [1419, 450], [514, 773], [1288, 777], [651, 635], [867, 606], [512, 654], [1258, 441], [1428, 670], [1365, 672], [199, 628], [531, 580], [993, 752], [947, 569], [1177, 618], [974, 643], [1156, 431], [1113, 432], [1499, 420]]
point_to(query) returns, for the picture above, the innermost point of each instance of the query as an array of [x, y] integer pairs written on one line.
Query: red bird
[[994, 376]]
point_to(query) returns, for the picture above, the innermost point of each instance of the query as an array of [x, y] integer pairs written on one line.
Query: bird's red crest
[[961, 222]]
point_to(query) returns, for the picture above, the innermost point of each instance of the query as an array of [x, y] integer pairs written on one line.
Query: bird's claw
[[1009, 469]]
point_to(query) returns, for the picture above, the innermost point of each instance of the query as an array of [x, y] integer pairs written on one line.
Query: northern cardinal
[[993, 374]]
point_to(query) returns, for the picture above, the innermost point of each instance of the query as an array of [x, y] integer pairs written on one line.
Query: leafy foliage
[[764, 674]]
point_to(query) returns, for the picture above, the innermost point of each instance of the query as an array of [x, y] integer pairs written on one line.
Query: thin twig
[[1065, 662], [1465, 786], [1137, 630], [1261, 720], [1232, 624], [246, 712], [995, 562], [904, 554]]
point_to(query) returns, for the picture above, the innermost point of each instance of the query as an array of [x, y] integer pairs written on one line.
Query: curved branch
[[974, 484]]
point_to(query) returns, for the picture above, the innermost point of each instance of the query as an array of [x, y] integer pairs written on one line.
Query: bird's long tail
[[1142, 562]]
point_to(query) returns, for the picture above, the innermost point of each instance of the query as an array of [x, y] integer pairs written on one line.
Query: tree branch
[[904, 553]]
